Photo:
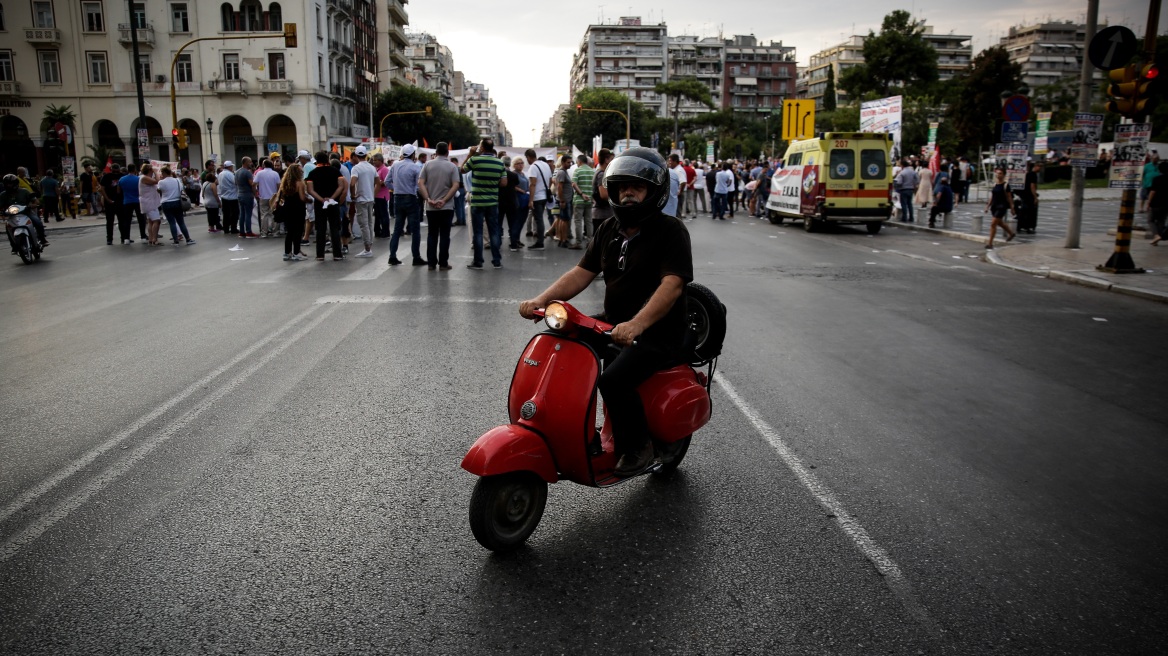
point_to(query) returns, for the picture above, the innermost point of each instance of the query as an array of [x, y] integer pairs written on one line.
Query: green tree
[[684, 87], [829, 90], [579, 128], [441, 125], [977, 106], [897, 58]]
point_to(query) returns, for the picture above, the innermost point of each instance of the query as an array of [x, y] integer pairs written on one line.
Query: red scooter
[[552, 406]]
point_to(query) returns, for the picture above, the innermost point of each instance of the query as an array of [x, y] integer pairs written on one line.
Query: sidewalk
[[86, 221], [1045, 255]]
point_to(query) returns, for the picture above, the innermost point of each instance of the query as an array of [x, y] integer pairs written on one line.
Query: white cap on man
[[360, 151], [228, 164], [408, 150], [303, 155]]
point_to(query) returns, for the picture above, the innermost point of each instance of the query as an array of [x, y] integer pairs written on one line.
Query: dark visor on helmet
[[627, 168]]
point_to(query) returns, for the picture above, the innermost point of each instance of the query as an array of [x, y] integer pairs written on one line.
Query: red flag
[[109, 162], [424, 144], [935, 161]]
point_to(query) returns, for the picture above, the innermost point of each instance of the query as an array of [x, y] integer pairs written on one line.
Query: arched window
[[227, 17], [251, 16], [275, 18]]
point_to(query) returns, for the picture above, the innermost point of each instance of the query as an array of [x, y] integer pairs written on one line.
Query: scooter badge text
[[529, 361]]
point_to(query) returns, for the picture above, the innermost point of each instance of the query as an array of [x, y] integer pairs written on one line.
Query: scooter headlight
[[555, 316]]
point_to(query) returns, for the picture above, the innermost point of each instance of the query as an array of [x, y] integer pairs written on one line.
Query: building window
[[179, 20], [2, 18], [231, 66], [318, 34], [144, 68], [138, 15], [320, 70], [227, 17], [7, 73], [94, 20], [251, 16], [98, 67], [183, 69], [50, 66], [275, 18], [42, 14], [275, 66]]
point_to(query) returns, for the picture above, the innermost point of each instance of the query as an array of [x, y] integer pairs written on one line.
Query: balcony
[[343, 5], [228, 86], [42, 35], [9, 89], [275, 86], [397, 12], [341, 48], [145, 35], [345, 93], [396, 34]]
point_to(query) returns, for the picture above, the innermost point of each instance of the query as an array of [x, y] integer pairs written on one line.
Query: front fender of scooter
[[510, 448]]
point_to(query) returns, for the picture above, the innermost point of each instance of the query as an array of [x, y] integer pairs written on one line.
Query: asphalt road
[[911, 452]]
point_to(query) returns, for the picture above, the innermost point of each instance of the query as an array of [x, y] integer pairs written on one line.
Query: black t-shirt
[[507, 194], [660, 248], [86, 180], [1031, 179], [109, 182], [325, 181], [1160, 186]]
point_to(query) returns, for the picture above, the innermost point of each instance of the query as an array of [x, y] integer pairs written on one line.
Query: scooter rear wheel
[[671, 455], [505, 509]]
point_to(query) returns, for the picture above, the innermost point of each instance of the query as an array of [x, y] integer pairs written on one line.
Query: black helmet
[[637, 165], [11, 180]]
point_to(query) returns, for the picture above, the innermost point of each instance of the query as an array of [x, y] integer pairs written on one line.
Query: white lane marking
[[373, 299], [1099, 319], [13, 545], [893, 576], [371, 271], [86, 460]]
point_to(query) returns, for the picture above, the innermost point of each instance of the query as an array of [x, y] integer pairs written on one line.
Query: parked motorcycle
[[23, 233], [552, 407]]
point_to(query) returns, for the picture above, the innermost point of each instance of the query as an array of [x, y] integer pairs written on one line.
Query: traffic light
[[174, 139], [429, 111], [289, 35], [1130, 89], [183, 141], [579, 109]]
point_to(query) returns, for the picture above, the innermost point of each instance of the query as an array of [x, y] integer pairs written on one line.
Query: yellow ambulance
[[841, 177]]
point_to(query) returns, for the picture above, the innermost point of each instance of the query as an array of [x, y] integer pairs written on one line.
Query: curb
[[981, 239], [1079, 279]]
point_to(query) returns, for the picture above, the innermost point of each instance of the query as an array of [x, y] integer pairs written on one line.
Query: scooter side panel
[[557, 376], [510, 448], [676, 404]]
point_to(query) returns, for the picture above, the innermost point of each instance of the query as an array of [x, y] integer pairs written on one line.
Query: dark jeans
[[719, 206], [51, 207], [906, 205], [438, 237], [460, 207], [246, 209], [174, 217], [230, 210], [731, 200], [623, 374], [537, 208], [126, 214], [381, 217], [213, 218], [293, 231], [113, 213], [516, 218], [489, 214], [328, 226], [407, 213]]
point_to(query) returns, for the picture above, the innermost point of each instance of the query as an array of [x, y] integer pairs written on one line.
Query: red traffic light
[[174, 132], [1151, 72]]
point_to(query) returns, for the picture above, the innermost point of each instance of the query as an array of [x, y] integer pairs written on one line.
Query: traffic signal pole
[[1121, 259], [1078, 174]]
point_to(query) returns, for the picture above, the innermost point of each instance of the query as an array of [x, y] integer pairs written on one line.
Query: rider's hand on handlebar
[[626, 333], [527, 308]]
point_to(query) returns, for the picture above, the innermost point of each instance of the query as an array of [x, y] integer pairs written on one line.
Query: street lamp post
[[210, 140]]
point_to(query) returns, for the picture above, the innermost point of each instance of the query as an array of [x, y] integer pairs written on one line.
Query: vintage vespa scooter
[[552, 406]]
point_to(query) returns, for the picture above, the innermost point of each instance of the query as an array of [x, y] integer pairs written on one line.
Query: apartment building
[[234, 96], [433, 67], [703, 59], [1047, 52], [626, 56], [392, 19], [477, 104], [757, 77], [954, 52]]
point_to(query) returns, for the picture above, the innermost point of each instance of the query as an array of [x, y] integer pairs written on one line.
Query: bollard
[[947, 223], [975, 226]]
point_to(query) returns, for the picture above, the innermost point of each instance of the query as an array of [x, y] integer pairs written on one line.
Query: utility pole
[[137, 70], [1075, 215]]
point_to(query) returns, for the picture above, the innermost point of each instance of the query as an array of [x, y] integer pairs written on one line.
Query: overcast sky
[[522, 51]]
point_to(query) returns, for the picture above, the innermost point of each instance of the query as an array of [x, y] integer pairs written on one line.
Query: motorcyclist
[[646, 261], [15, 194]]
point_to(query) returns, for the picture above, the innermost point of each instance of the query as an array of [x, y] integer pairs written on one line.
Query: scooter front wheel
[[505, 509], [671, 454]]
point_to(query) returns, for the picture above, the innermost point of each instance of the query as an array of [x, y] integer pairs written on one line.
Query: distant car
[[842, 178]]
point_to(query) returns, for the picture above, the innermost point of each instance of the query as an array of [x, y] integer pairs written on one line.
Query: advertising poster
[[883, 115], [1087, 130], [69, 170], [709, 151], [1012, 157], [1131, 148], [1041, 135]]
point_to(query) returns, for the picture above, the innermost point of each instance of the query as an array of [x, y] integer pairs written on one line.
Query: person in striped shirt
[[487, 174], [582, 203]]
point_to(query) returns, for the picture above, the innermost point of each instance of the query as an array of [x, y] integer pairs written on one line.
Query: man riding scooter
[[646, 261], [14, 194]]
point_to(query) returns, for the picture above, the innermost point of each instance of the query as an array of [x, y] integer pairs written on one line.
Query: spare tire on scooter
[[707, 322]]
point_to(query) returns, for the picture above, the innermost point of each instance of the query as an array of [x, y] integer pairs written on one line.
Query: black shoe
[[473, 265], [514, 249], [393, 261], [420, 262], [109, 242], [444, 267], [537, 247], [633, 463], [497, 265]]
